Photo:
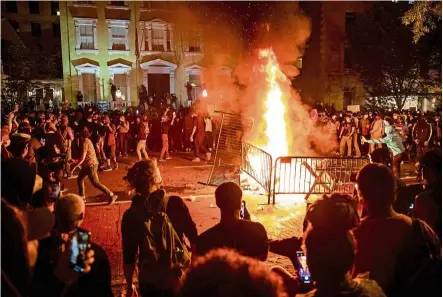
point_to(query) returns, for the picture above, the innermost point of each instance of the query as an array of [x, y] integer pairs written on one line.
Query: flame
[[277, 129]]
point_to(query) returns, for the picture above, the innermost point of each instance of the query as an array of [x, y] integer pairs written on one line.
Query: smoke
[[286, 31]]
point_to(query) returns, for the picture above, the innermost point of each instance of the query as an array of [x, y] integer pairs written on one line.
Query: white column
[[171, 36], [128, 86], [95, 36], [150, 37], [127, 36], [165, 39], [171, 81], [77, 35], [109, 37], [80, 83], [145, 78], [141, 36]]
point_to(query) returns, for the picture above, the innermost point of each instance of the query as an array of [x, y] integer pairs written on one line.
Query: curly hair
[[225, 273], [141, 175]]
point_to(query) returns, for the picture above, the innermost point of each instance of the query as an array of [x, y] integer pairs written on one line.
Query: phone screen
[[80, 243], [303, 270], [55, 191], [242, 210]]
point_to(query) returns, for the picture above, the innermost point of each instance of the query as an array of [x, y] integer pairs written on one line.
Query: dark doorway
[[158, 84]]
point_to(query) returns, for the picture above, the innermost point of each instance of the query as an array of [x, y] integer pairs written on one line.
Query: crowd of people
[[362, 245]]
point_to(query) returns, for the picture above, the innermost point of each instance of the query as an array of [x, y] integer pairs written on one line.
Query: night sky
[[244, 14]]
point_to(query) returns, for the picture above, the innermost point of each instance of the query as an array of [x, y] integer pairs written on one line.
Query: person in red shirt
[[198, 136]]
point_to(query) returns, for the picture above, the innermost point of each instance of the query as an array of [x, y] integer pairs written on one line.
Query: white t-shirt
[[208, 125]]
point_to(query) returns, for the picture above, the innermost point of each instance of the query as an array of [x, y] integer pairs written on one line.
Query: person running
[[89, 165]]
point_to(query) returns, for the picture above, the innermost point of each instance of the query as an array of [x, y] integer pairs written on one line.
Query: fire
[[275, 115], [277, 131]]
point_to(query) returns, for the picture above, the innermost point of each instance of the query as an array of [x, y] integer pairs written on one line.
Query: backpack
[[166, 257], [419, 264]]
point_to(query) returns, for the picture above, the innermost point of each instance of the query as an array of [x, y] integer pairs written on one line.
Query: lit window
[[158, 37], [86, 36], [118, 35], [194, 41]]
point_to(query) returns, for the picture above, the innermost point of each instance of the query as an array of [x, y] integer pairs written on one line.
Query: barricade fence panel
[[315, 175], [228, 151], [257, 164]]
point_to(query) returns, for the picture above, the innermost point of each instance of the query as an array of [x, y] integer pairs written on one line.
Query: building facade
[[129, 44], [326, 76], [36, 24]]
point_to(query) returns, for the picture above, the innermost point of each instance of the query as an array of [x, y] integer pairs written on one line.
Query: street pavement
[[183, 178]]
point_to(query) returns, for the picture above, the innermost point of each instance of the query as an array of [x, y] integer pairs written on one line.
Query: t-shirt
[[248, 238], [199, 123], [208, 125], [165, 126], [91, 157]]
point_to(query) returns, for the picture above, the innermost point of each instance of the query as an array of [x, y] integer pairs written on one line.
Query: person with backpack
[[155, 227], [401, 254]]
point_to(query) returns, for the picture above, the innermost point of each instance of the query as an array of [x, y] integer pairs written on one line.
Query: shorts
[[110, 151]]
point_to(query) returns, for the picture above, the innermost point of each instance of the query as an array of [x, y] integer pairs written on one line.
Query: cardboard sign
[[354, 108]]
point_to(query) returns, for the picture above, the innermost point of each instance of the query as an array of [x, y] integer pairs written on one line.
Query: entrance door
[[158, 84]]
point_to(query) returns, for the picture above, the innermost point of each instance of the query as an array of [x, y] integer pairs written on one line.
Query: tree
[[390, 66], [23, 67], [424, 16]]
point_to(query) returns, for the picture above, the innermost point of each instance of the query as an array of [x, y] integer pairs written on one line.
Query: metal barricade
[[258, 165], [228, 151], [315, 175]]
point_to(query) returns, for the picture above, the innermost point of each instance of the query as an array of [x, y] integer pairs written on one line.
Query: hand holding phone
[[303, 270], [79, 245]]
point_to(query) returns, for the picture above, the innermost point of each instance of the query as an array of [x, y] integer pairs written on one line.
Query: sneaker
[[208, 156], [196, 160], [112, 198], [168, 158], [125, 155], [162, 160], [72, 176], [107, 168]]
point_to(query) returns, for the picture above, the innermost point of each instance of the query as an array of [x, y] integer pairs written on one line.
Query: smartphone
[[55, 191], [303, 270], [242, 210], [43, 141], [79, 246], [411, 206]]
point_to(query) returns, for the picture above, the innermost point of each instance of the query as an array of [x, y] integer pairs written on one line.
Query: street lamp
[[118, 93]]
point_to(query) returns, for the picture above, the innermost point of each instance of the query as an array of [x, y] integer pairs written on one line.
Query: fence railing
[[315, 175], [258, 164], [228, 151]]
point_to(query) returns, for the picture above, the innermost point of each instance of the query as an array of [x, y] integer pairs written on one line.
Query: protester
[[95, 281], [109, 143], [421, 134], [198, 136], [225, 273], [394, 143], [165, 125], [89, 166], [142, 134], [123, 132], [428, 205], [246, 237], [144, 177], [390, 246], [376, 131], [330, 250]]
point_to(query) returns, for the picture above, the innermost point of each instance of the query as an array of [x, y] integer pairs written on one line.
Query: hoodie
[[392, 139]]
